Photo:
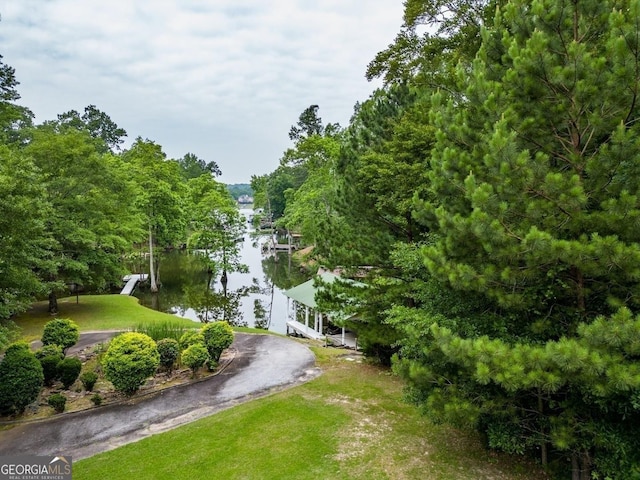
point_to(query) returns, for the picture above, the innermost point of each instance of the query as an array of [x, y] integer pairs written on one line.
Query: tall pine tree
[[534, 205]]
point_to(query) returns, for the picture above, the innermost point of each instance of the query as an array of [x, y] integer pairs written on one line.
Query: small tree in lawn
[[21, 378], [195, 356], [217, 337], [130, 359], [61, 331]]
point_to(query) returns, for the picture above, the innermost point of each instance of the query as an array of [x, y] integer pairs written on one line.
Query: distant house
[[245, 199]]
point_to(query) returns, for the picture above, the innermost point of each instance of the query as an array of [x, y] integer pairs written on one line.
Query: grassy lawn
[[93, 312], [350, 423]]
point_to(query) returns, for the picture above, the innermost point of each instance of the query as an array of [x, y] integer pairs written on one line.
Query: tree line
[[75, 204], [490, 190]]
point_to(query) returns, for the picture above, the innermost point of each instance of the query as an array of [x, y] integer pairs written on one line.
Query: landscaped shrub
[[21, 378], [217, 337], [189, 338], [169, 350], [96, 399], [50, 368], [131, 359], [58, 402], [51, 350], [61, 331], [88, 380], [68, 371], [194, 357]]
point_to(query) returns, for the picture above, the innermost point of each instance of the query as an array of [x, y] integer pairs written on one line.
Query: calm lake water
[[253, 299]]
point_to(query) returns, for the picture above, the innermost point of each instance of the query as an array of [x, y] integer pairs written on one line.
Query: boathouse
[[302, 299]]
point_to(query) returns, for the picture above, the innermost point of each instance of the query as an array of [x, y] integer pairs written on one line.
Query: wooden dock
[[132, 280]]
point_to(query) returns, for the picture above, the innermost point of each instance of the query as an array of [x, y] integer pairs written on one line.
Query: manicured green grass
[[350, 423], [95, 312]]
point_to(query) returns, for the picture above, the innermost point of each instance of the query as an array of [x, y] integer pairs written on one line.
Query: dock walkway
[[132, 280], [302, 329]]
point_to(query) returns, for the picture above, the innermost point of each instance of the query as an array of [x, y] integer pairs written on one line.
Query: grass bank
[[350, 423], [94, 312]]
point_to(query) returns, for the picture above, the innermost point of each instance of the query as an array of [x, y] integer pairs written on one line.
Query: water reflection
[[253, 299]]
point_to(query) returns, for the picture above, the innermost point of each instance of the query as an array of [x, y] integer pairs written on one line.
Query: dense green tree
[[532, 205], [436, 36], [216, 226], [160, 197], [14, 119], [192, 167], [25, 242], [90, 219]]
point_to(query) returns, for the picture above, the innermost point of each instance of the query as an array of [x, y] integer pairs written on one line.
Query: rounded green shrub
[[51, 350], [61, 331], [68, 371], [96, 399], [21, 378], [131, 359], [169, 350], [195, 356], [89, 380], [50, 368], [190, 337], [58, 402], [217, 337]]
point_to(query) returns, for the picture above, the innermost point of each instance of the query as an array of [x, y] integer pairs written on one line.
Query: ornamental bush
[[68, 371], [61, 331], [217, 337], [169, 349], [190, 337], [58, 402], [131, 359], [89, 380], [195, 357], [51, 350], [50, 368], [21, 378]]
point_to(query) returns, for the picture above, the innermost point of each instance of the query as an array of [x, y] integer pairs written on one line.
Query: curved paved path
[[263, 364]]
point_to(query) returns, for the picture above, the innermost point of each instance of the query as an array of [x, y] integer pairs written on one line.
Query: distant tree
[[192, 167], [98, 124], [14, 119], [309, 123], [21, 378]]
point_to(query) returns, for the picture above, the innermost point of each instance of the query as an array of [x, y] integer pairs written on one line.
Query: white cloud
[[221, 79]]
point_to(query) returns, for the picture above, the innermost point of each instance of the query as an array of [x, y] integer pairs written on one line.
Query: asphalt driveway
[[262, 364]]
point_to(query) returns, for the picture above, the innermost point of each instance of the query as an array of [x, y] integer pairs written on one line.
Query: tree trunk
[[53, 304], [152, 271], [581, 465]]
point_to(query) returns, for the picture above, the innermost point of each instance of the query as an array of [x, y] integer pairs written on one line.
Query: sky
[[222, 79]]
